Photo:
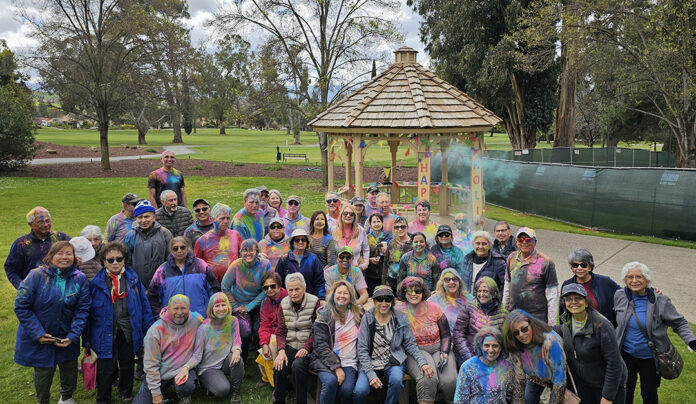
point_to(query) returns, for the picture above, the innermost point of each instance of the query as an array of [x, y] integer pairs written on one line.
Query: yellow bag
[[265, 364]]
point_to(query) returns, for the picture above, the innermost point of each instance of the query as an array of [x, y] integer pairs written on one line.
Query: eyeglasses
[[275, 227], [349, 214], [248, 252], [293, 203], [522, 330], [460, 221], [524, 239], [264, 194], [448, 280], [345, 257], [400, 227], [416, 291], [573, 298], [199, 210], [381, 299], [271, 287], [115, 259], [579, 265], [301, 240], [133, 204], [501, 230], [444, 234], [331, 200], [178, 248]]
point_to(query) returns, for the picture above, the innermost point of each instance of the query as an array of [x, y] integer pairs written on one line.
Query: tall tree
[[86, 48], [487, 61], [335, 37]]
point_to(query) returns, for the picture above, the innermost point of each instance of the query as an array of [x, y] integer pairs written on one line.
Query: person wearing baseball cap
[[447, 254], [121, 223], [204, 221], [344, 270], [591, 349], [275, 245], [371, 206], [531, 283], [293, 219], [359, 206]]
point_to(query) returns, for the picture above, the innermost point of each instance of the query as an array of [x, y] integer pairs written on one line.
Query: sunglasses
[[416, 291], [112, 260], [400, 227], [349, 214], [331, 200], [301, 240], [345, 257], [522, 330], [460, 221], [381, 299], [524, 239], [579, 265], [264, 194], [275, 227], [133, 204], [444, 234], [270, 287], [448, 280], [199, 210], [178, 248], [293, 203]]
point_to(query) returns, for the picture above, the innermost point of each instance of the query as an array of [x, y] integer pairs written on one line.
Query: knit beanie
[[143, 207]]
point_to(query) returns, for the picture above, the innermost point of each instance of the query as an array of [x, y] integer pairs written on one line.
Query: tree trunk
[[565, 112], [141, 136], [104, 141], [221, 123], [323, 147], [176, 125], [296, 135]]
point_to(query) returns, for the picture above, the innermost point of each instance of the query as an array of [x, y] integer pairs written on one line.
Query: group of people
[[355, 294]]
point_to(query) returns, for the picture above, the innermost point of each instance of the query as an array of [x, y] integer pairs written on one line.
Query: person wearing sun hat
[[344, 270], [530, 280], [301, 259]]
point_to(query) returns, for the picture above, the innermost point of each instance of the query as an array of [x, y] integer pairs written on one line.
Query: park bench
[[295, 156]]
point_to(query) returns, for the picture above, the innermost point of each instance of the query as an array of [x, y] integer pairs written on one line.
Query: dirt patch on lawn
[[42, 149], [142, 168]]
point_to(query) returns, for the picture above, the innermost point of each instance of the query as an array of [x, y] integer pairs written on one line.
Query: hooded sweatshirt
[[216, 338], [168, 347], [242, 283], [147, 250]]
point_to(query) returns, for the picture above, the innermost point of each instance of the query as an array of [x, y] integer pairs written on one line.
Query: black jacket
[[324, 359], [494, 268], [505, 250]]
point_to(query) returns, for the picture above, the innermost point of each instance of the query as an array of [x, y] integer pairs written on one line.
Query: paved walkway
[[177, 149], [672, 268]]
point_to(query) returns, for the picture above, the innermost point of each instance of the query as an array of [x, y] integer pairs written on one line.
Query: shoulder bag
[[670, 363]]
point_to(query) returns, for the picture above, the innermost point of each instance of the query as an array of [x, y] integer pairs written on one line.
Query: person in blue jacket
[[184, 274], [301, 259], [52, 306], [119, 318]]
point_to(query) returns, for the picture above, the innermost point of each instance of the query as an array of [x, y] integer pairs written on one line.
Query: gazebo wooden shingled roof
[[404, 104]]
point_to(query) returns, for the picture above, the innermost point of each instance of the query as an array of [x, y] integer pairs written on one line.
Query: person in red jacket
[[269, 323]]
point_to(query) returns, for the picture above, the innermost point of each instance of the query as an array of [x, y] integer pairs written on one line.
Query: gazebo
[[407, 104]]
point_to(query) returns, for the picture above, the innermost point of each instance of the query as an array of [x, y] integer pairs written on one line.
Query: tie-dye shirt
[[346, 343], [358, 244], [395, 250], [274, 250], [423, 321], [429, 229], [545, 362], [424, 267], [248, 226], [162, 179], [481, 383], [528, 281], [218, 250], [242, 283], [118, 226], [26, 254], [215, 340], [449, 305], [354, 276], [388, 223], [300, 223]]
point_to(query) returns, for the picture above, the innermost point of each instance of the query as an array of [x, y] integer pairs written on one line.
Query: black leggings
[[649, 379]]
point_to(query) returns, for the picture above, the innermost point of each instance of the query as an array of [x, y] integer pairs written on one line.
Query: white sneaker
[[68, 401]]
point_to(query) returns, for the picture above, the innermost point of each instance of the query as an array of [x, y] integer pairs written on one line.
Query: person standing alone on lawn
[[166, 177]]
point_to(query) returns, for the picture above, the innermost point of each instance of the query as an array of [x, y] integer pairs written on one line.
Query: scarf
[[487, 307], [115, 286]]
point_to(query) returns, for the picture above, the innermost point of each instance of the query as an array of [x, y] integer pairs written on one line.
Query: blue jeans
[[394, 376], [329, 386], [532, 393]]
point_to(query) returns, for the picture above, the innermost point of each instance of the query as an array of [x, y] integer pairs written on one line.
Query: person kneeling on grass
[[168, 353]]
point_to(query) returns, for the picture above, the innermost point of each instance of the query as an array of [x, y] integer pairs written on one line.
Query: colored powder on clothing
[[422, 319], [218, 250]]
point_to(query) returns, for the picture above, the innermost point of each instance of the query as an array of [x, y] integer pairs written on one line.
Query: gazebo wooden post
[[444, 190], [357, 139], [349, 164], [393, 148], [330, 168]]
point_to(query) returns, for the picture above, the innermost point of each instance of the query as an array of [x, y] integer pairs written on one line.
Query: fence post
[[633, 158], [649, 158], [570, 150], [615, 155], [593, 156]]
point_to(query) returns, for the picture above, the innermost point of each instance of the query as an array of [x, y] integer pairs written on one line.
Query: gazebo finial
[[405, 55]]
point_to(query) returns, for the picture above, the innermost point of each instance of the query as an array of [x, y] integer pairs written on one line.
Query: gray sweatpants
[[216, 382], [443, 381]]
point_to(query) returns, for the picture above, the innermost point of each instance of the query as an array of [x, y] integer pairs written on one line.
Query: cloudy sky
[[15, 33]]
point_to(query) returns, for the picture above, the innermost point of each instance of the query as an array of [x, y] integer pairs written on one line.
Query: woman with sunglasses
[[119, 318], [486, 378], [384, 342], [537, 353], [321, 242], [344, 270], [269, 324], [447, 254], [377, 240], [483, 261], [450, 295], [349, 233], [399, 245], [600, 288], [483, 310], [184, 274], [301, 260], [334, 349], [275, 200], [593, 355], [431, 330], [419, 262], [275, 245]]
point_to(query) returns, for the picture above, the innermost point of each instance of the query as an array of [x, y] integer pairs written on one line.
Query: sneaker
[[127, 399], [68, 401], [185, 400], [236, 397], [261, 384]]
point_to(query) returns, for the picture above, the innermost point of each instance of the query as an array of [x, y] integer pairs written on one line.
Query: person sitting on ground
[[166, 177], [121, 223], [52, 306], [422, 223], [172, 216], [384, 341], [296, 314], [275, 245], [377, 240], [220, 246], [147, 242], [269, 325], [348, 233], [267, 211], [399, 245], [84, 252], [203, 224], [28, 251], [321, 242], [95, 237], [335, 348], [182, 273], [293, 219], [301, 260], [248, 222], [217, 351], [483, 261], [447, 254], [419, 262], [168, 350], [275, 200], [344, 270], [504, 243], [121, 312]]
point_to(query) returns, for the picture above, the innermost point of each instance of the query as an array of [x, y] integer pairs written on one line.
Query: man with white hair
[[172, 216], [296, 314], [27, 251], [166, 177]]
